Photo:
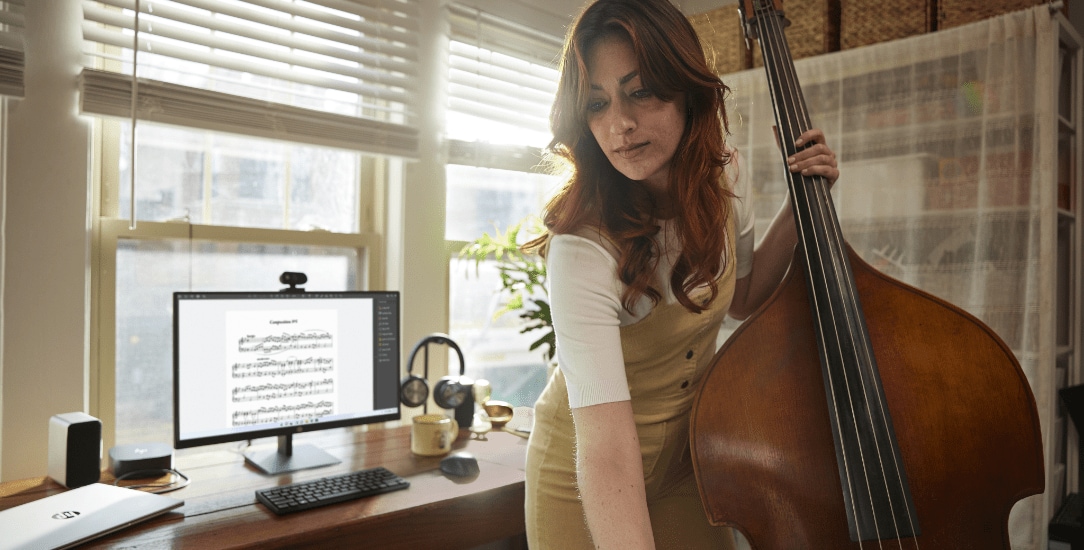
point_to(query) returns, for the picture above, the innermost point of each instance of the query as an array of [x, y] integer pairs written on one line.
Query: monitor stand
[[288, 458]]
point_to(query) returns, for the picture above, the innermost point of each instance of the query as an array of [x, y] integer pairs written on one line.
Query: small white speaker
[[75, 449]]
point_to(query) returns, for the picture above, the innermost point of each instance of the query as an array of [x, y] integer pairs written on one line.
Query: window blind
[[12, 61], [328, 72], [500, 73]]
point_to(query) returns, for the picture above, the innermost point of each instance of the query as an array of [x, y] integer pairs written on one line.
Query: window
[[12, 63], [12, 59], [220, 212], [150, 270], [221, 179], [264, 143], [484, 199], [501, 83]]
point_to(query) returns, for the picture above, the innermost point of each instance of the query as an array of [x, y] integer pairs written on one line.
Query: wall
[[420, 200], [45, 264]]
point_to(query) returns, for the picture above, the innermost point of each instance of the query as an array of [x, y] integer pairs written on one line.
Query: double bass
[[852, 410]]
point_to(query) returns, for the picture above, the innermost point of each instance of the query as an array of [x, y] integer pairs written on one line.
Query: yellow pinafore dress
[[666, 353]]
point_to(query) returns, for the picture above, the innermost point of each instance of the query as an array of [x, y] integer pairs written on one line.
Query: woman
[[649, 245]]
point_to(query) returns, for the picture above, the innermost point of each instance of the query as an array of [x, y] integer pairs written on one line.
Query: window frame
[[109, 229]]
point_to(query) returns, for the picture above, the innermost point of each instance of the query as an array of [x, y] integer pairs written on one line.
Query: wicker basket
[[813, 29], [722, 38], [953, 13], [957, 184], [863, 22]]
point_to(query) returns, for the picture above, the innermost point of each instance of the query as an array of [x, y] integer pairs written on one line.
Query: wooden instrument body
[[964, 417], [852, 409]]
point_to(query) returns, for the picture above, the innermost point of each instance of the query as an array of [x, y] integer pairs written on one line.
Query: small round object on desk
[[499, 412], [480, 424], [482, 390]]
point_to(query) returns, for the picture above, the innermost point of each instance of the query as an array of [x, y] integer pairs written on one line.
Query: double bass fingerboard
[[876, 493]]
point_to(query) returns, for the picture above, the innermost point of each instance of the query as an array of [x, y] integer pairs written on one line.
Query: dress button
[[685, 384], [689, 355]]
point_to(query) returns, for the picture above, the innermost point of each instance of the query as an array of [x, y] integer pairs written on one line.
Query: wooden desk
[[437, 511]]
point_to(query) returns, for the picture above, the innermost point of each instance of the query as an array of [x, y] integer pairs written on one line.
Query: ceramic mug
[[433, 434]]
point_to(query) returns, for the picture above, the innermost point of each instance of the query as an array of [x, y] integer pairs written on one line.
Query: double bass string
[[860, 345], [840, 279], [794, 125], [839, 268], [771, 53], [785, 133]]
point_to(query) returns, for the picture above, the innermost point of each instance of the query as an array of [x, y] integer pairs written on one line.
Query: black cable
[[164, 487]]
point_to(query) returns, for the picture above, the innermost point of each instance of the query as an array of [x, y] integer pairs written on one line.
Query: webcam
[[293, 278]]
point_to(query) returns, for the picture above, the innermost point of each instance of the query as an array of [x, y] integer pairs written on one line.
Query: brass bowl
[[499, 413]]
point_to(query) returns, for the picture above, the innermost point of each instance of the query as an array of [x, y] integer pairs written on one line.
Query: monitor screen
[[257, 364]]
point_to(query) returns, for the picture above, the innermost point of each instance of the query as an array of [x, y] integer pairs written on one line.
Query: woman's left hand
[[816, 159]]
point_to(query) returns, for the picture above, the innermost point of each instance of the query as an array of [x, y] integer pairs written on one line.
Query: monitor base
[[303, 457]]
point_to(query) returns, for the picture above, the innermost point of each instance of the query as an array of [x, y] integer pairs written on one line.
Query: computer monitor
[[248, 365]]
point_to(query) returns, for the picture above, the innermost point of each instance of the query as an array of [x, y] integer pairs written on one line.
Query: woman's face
[[637, 131]]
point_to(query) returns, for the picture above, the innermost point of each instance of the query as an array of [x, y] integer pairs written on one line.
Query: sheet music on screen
[[266, 361]]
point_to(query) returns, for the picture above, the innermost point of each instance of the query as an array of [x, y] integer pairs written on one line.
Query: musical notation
[[282, 366], [265, 392], [314, 339], [272, 368], [282, 413]]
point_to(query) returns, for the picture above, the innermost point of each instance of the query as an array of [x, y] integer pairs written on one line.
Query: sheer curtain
[[945, 143]]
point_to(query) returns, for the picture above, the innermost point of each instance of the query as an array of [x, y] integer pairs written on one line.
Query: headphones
[[449, 392]]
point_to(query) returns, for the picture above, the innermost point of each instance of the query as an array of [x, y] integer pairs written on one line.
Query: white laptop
[[66, 519]]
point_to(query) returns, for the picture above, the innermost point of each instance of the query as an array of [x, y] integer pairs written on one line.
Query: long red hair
[[671, 62]]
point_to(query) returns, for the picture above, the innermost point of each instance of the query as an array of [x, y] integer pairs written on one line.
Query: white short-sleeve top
[[585, 297]]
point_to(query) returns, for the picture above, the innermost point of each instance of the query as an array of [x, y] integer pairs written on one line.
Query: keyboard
[[305, 495]]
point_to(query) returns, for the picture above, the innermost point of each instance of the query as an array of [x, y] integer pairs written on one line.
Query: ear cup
[[413, 391], [450, 392]]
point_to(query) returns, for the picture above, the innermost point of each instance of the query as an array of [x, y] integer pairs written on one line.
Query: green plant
[[523, 278]]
